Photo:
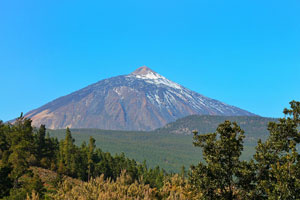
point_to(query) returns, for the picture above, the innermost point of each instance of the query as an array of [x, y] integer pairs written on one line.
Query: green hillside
[[164, 148], [254, 127], [170, 147], [169, 151]]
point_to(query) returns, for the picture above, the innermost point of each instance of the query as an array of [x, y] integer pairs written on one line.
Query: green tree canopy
[[222, 175], [278, 166]]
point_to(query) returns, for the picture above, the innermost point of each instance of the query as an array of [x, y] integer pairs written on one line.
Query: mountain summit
[[142, 100], [143, 71]]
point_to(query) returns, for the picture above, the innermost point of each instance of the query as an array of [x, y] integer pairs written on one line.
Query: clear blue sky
[[244, 53]]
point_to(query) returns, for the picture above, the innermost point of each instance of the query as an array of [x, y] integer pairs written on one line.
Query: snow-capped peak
[[146, 73], [143, 70], [151, 76]]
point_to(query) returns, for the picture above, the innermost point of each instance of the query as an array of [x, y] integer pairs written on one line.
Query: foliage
[[29, 183], [178, 187], [278, 166], [101, 188], [254, 126], [18, 152], [174, 188], [167, 150], [220, 177], [273, 174], [23, 146], [6, 182]]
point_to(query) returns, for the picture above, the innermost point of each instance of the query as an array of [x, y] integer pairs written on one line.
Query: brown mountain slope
[[142, 100]]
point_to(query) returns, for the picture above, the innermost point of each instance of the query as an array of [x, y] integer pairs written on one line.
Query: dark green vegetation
[[255, 127], [273, 173], [221, 151], [22, 147], [169, 151], [166, 149]]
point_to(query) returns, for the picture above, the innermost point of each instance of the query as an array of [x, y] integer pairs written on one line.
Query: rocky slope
[[142, 100]]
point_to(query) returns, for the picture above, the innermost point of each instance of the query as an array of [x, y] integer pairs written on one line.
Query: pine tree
[[6, 183], [22, 148], [278, 166], [91, 149], [41, 143], [67, 161], [219, 177]]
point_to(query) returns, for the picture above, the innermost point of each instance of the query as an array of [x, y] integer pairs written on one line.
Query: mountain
[[142, 100], [255, 127]]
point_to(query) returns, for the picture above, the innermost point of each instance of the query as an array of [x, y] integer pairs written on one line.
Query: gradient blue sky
[[244, 53]]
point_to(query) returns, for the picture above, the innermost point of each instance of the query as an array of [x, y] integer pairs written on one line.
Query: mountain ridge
[[142, 100], [255, 127]]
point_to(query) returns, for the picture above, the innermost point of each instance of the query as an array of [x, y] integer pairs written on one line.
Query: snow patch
[[176, 93], [157, 79], [149, 75], [158, 99], [117, 90]]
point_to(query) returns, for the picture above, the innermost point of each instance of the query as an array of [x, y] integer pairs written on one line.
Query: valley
[[169, 147]]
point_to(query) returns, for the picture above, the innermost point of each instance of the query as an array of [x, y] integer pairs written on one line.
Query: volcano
[[142, 100]]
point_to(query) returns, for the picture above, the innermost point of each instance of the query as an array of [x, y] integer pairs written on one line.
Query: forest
[[168, 147], [34, 165]]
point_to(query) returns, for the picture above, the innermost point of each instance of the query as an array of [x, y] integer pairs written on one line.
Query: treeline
[[254, 126], [272, 174], [22, 146]]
